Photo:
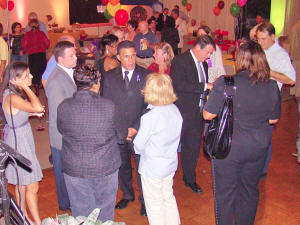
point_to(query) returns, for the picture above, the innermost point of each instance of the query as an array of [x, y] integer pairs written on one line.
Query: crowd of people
[[145, 99]]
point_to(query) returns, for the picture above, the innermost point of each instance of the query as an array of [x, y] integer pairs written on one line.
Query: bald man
[[43, 27], [52, 63], [145, 42]]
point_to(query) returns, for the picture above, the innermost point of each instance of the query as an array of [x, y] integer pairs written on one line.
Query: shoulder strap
[[229, 86]]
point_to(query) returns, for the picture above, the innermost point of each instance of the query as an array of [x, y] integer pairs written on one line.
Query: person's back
[[253, 105], [86, 122]]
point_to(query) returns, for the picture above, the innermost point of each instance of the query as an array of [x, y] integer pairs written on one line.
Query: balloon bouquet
[[113, 9], [188, 5], [10, 5]]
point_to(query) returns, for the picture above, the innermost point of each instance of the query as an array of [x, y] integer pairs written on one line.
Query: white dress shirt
[[203, 71], [157, 141], [279, 61], [129, 74], [70, 72]]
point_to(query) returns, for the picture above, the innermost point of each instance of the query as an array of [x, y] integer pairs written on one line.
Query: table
[[53, 37]]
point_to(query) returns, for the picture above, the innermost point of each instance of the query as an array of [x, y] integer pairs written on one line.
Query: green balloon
[[107, 15], [184, 2], [235, 9]]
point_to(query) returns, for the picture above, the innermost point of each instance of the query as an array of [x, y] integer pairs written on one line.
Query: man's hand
[[209, 86], [281, 78], [131, 133]]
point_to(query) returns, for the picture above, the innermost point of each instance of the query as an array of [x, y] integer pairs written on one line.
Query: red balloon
[[188, 7], [3, 4], [217, 11], [11, 5], [121, 17], [221, 4], [241, 3], [105, 2]]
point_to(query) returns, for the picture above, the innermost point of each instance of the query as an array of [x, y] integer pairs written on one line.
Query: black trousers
[[235, 181], [125, 172], [37, 65], [190, 148]]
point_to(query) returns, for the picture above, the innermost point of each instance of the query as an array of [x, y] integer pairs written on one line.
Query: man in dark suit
[[189, 74], [123, 86], [60, 85], [162, 19]]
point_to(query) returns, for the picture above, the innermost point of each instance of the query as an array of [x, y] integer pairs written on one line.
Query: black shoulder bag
[[218, 136]]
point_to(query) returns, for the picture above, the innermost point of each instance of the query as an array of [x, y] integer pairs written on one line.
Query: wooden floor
[[279, 192]]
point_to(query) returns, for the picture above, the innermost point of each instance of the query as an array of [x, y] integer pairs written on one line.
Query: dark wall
[[85, 11]]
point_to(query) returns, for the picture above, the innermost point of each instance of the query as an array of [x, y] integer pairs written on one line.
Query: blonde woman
[[156, 142], [163, 57]]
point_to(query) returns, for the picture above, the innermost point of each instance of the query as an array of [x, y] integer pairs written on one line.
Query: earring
[[107, 51]]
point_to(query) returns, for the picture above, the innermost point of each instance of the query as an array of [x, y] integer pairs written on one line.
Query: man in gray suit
[[60, 85]]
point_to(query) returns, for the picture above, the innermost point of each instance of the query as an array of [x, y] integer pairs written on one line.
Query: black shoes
[[194, 186], [143, 210], [122, 204]]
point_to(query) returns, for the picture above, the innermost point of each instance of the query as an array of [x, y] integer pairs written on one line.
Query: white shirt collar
[[69, 71], [129, 74], [196, 63]]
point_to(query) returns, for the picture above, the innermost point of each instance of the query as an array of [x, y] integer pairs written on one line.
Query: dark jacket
[[171, 36], [89, 147], [129, 103], [187, 87]]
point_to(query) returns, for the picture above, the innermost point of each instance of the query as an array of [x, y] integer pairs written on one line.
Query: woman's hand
[[20, 83]]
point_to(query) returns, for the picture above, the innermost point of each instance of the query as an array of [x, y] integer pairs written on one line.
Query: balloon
[[114, 2], [184, 2], [107, 15], [112, 9], [11, 5], [217, 11], [235, 9], [121, 17], [189, 7], [3, 4], [104, 2], [221, 4], [241, 3]]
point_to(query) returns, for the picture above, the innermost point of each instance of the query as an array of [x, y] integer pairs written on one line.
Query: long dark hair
[[11, 72], [250, 56]]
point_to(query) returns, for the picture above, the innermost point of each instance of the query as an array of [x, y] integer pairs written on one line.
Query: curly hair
[[85, 76]]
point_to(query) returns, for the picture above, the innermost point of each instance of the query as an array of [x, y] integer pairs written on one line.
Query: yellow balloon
[[112, 9]]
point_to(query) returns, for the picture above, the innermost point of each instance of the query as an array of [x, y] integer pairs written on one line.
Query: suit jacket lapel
[[192, 64], [68, 78]]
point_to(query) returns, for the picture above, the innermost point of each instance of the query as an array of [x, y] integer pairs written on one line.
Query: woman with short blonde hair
[[157, 142], [163, 57], [159, 90]]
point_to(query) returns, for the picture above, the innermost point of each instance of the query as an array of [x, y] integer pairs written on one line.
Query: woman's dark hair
[[170, 22], [13, 26], [85, 76], [133, 24], [11, 72], [250, 56], [206, 29], [108, 40]]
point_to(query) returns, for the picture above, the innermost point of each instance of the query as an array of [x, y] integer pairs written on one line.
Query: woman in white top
[[215, 63], [157, 142]]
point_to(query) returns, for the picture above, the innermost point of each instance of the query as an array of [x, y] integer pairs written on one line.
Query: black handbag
[[218, 136]]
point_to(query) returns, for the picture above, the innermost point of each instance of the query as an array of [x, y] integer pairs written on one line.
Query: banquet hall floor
[[279, 193]]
